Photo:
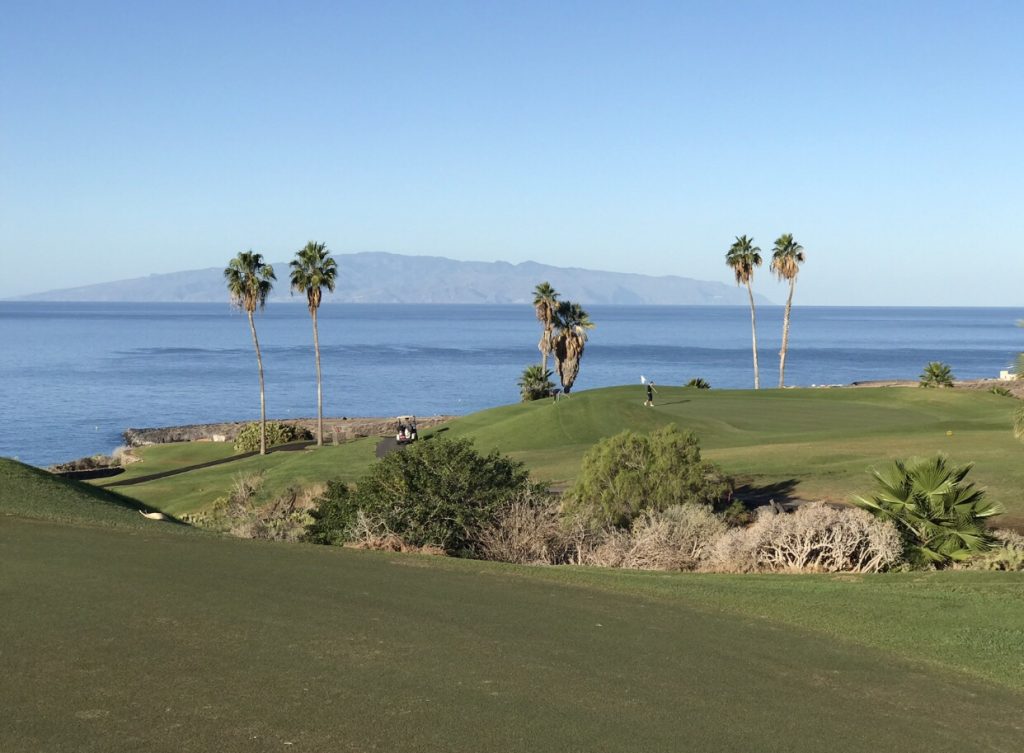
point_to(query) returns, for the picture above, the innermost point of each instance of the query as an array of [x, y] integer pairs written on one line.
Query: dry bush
[[529, 531], [679, 538], [815, 538], [368, 532], [1007, 554], [284, 518]]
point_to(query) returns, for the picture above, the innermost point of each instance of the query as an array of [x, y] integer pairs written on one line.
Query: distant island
[[376, 277]]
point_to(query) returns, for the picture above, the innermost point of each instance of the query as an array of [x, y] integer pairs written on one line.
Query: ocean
[[73, 376]]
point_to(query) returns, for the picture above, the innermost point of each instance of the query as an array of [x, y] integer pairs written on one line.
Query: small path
[[291, 447]]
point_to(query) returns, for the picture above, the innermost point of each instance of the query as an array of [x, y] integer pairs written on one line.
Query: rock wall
[[343, 428]]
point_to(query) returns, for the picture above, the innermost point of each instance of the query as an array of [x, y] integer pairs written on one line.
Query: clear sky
[[154, 137]]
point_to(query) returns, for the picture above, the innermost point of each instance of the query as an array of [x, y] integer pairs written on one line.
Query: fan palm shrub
[[535, 383], [941, 516], [936, 374], [699, 383]]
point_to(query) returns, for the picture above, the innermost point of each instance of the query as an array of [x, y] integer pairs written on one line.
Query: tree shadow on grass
[[758, 495]]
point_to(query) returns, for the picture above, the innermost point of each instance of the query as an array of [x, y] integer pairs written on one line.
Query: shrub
[[282, 519], [435, 493], [941, 518], [528, 530], [248, 439], [535, 383], [1001, 391], [333, 515], [630, 473], [698, 383], [678, 538], [936, 374], [1006, 554], [815, 538], [1018, 421], [737, 514]]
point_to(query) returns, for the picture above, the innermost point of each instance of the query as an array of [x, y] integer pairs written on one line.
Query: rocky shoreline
[[335, 430]]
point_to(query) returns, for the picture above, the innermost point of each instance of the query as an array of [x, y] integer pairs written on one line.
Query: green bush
[[936, 374], [630, 473], [333, 514], [535, 383], [435, 493], [248, 439], [941, 518], [698, 383]]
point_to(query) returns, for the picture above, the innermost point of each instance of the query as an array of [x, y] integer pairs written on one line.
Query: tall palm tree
[[743, 257], [787, 256], [314, 269], [571, 324], [545, 301], [250, 280]]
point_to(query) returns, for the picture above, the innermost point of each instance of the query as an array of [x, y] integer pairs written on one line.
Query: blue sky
[[887, 136]]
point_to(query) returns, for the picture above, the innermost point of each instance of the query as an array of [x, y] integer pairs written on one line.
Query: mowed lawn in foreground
[[121, 634], [804, 443]]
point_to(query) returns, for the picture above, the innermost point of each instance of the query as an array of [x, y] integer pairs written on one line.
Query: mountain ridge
[[381, 277]]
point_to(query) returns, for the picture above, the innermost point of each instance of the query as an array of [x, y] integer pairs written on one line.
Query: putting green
[[804, 443]]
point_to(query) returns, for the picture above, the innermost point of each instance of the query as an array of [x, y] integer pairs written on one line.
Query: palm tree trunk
[[263, 402], [785, 335], [753, 334], [319, 387]]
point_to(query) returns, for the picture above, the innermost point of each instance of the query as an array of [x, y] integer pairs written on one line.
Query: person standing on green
[[650, 394]]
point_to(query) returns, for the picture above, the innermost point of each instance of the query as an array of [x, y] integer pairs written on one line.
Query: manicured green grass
[[29, 492], [196, 489], [808, 443], [202, 643], [167, 457], [118, 637]]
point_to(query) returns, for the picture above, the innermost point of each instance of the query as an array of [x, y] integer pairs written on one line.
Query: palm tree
[[250, 280], [936, 374], [545, 301], [313, 269], [743, 256], [787, 256], [571, 324], [941, 518], [534, 383]]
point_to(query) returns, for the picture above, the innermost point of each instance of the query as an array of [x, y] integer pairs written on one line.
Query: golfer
[[650, 394]]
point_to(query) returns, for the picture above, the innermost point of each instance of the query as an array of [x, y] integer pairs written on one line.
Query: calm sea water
[[73, 376]]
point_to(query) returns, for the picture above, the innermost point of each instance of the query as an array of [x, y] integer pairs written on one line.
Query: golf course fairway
[[121, 633]]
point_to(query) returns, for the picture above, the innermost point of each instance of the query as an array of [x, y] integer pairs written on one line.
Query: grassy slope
[[161, 642], [821, 442], [137, 639], [195, 489], [28, 492]]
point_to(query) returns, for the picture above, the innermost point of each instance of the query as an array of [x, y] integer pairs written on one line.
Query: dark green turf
[[119, 635], [33, 493], [143, 641]]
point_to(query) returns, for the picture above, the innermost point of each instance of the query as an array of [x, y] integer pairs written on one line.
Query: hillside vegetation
[[801, 443]]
